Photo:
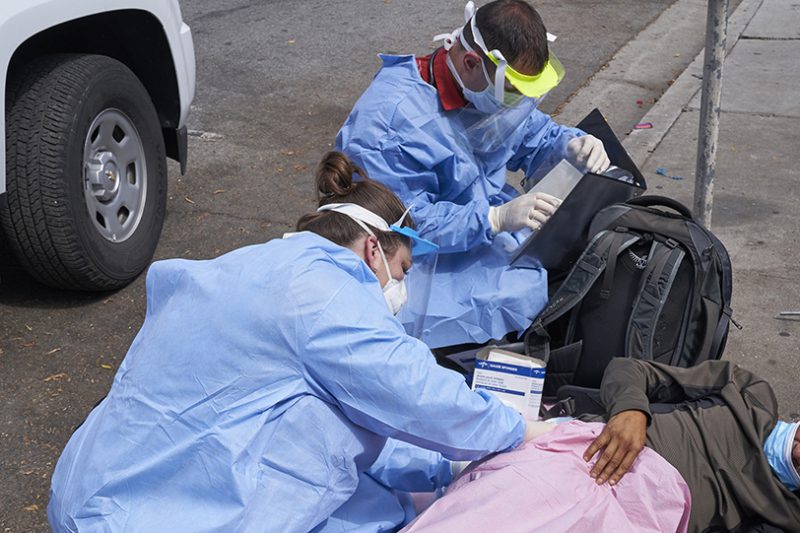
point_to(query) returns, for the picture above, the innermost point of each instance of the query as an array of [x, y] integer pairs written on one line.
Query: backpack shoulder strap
[[589, 266], [664, 261]]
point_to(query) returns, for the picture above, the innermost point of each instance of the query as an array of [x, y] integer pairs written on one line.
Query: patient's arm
[[630, 385], [634, 384]]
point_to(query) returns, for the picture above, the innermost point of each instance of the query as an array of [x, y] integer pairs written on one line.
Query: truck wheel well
[[133, 37]]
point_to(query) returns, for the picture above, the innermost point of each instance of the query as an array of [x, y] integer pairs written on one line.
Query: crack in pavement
[[754, 38]]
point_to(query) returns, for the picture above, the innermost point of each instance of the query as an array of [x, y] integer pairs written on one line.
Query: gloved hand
[[534, 428], [526, 211], [587, 153]]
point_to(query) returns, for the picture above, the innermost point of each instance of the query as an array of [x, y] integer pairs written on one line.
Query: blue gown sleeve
[[358, 355], [420, 170], [409, 468], [544, 145], [440, 221]]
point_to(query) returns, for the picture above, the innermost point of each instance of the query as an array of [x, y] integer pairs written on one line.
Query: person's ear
[[472, 71], [372, 255], [471, 61]]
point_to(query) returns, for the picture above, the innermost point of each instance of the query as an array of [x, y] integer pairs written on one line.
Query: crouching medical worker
[[272, 389], [441, 131]]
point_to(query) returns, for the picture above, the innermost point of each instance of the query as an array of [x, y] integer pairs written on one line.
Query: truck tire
[[86, 176]]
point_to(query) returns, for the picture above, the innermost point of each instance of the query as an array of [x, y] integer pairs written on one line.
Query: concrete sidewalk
[[757, 188]]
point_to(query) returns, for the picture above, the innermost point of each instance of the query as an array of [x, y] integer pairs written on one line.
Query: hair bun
[[335, 175]]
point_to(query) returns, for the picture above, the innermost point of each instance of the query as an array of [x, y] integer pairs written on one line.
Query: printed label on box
[[519, 387], [535, 394], [509, 383]]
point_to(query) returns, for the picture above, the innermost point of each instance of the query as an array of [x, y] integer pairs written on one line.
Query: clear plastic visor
[[418, 280]]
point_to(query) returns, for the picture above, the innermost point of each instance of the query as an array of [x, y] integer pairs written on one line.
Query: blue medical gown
[[400, 134], [259, 395]]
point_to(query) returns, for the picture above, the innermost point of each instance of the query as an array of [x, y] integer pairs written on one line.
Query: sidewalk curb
[[641, 69], [641, 143]]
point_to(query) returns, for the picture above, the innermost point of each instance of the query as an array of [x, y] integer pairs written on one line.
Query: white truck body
[[21, 20]]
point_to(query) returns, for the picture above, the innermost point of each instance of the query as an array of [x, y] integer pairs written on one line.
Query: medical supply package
[[559, 242], [515, 379]]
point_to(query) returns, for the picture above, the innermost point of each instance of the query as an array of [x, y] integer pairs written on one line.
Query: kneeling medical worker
[[272, 389], [442, 131]]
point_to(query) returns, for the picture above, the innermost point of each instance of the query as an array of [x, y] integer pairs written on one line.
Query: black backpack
[[651, 284]]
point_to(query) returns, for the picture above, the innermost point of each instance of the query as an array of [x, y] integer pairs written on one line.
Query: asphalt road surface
[[275, 81]]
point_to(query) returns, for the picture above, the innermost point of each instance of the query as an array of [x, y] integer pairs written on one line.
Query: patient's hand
[[621, 441]]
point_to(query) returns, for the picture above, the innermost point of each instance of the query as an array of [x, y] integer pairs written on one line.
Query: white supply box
[[515, 379]]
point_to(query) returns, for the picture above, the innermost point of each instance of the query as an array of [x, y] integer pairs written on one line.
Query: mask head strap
[[399, 223], [494, 55], [361, 215]]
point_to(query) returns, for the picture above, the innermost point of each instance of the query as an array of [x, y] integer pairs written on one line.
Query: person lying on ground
[[716, 424]]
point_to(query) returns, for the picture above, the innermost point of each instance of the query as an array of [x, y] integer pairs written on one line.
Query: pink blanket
[[544, 485]]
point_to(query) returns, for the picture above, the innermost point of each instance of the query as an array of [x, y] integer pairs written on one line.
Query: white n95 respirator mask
[[394, 292]]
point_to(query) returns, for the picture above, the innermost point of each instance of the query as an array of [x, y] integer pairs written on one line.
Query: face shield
[[510, 96], [419, 280], [487, 133], [531, 86], [424, 254]]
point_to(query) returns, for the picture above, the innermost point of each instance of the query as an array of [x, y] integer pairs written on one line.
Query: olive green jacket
[[710, 422]]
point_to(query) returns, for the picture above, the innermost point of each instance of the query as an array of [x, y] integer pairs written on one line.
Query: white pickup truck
[[96, 97]]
